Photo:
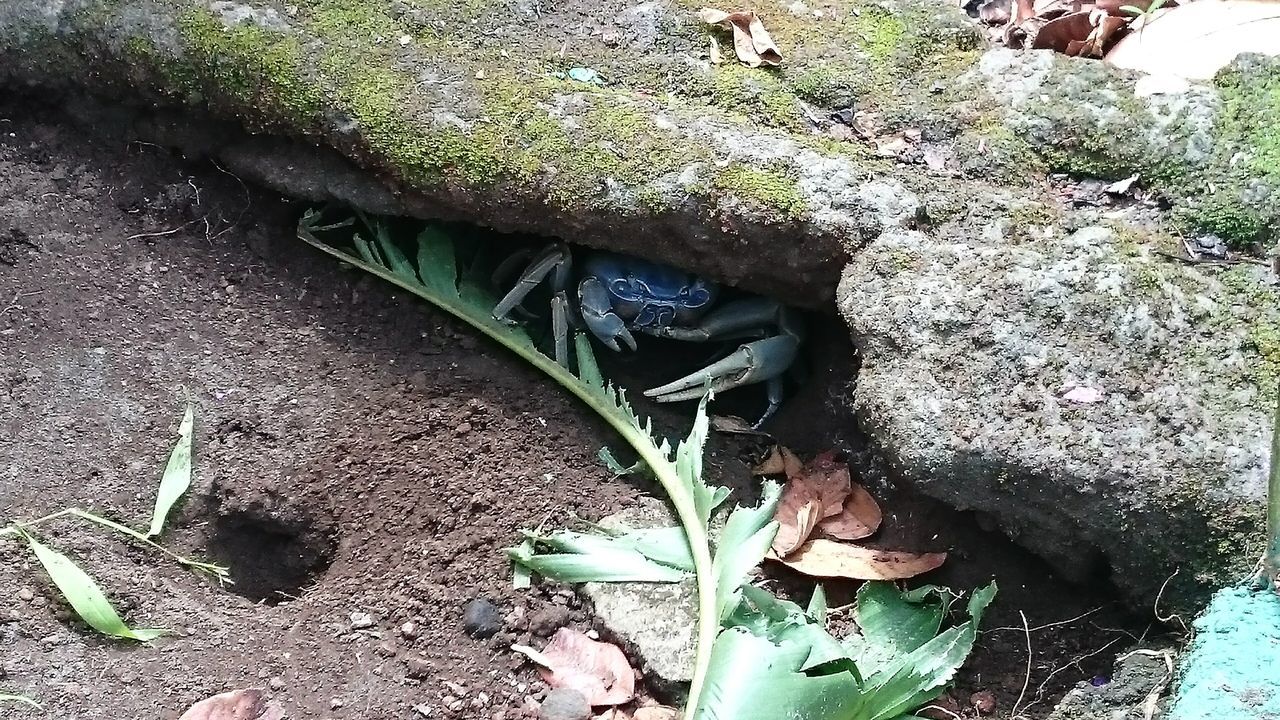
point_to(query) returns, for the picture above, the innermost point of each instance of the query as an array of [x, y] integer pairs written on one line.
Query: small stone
[[480, 619], [984, 701], [417, 668], [361, 620], [549, 619], [276, 684], [462, 428], [410, 630], [336, 703], [564, 704], [386, 648], [25, 595]]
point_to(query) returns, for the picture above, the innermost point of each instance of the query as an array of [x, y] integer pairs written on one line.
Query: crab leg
[[745, 318], [554, 258], [753, 362]]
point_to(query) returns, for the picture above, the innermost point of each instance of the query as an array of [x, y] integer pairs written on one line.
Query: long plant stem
[[599, 401]]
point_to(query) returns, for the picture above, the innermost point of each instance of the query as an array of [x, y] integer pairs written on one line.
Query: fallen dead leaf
[[751, 41], [656, 712], [245, 704], [798, 513], [858, 518], [779, 461], [613, 714], [829, 479], [1059, 33], [828, 558], [1195, 40], [597, 670]]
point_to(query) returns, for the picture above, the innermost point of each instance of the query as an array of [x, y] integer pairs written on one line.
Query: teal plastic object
[[1232, 669]]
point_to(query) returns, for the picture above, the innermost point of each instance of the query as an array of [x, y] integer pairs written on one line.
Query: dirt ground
[[356, 452]]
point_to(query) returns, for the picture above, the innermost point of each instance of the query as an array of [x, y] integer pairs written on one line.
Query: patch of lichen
[[1248, 302], [768, 190]]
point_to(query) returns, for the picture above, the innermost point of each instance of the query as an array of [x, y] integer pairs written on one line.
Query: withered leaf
[[798, 513], [828, 558], [1195, 40], [597, 670], [245, 704], [830, 481], [751, 41], [858, 518]]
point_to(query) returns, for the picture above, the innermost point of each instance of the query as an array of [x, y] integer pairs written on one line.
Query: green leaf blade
[[84, 595], [176, 479]]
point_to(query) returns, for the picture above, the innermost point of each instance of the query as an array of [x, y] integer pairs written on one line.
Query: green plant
[[435, 276], [77, 587], [758, 657]]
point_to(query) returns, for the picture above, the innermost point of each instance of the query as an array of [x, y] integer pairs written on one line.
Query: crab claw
[[753, 362], [599, 317]]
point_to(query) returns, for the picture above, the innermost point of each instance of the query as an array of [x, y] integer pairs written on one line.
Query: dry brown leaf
[[1195, 40], [613, 714], [1059, 33], [798, 513], [246, 704], [656, 712], [1104, 32], [828, 558], [772, 464], [597, 670], [858, 518], [751, 41], [830, 481]]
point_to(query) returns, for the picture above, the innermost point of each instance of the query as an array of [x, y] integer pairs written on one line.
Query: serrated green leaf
[[437, 267], [83, 594], [615, 467], [177, 474], [743, 543], [915, 678], [21, 699], [893, 624], [817, 610], [588, 368], [752, 678]]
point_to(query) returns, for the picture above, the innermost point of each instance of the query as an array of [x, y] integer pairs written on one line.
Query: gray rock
[[564, 704], [481, 618], [1124, 695], [656, 621], [1102, 402]]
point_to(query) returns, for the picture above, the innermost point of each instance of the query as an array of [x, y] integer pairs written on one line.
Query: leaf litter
[[245, 704], [598, 670], [821, 499], [751, 42], [1187, 39]]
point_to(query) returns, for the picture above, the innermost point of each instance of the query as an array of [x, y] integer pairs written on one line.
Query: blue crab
[[619, 296]]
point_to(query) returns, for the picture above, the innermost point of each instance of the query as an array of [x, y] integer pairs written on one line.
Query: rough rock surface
[[657, 621], [1125, 695], [973, 304], [1103, 401]]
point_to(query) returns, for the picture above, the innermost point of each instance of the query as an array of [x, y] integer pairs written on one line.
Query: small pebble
[[25, 595], [361, 620], [984, 701], [481, 619], [409, 630], [549, 619], [565, 704], [335, 703], [462, 428], [418, 668], [276, 684], [386, 648]]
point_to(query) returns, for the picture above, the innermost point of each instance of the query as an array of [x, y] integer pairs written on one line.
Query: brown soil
[[356, 452]]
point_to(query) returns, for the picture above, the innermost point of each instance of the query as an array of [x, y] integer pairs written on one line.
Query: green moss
[[261, 71], [881, 32], [1223, 215], [757, 94], [768, 190], [1250, 118]]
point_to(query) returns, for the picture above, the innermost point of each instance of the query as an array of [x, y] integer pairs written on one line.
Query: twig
[[162, 233], [1074, 662], [1026, 681], [1052, 624], [941, 709], [1155, 607]]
